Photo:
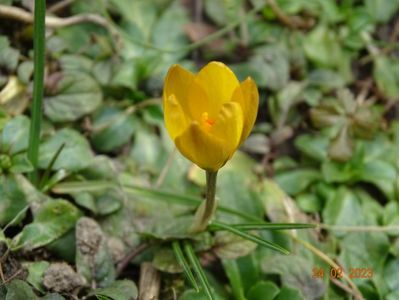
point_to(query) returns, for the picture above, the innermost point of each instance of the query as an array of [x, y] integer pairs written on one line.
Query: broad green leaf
[[12, 200], [75, 95], [344, 210], [382, 10], [53, 297], [75, 155], [222, 12], [165, 260], [8, 56], [263, 290], [36, 271], [391, 269], [112, 128], [231, 246], [235, 187], [386, 75], [296, 181], [322, 47], [18, 290], [269, 67], [365, 250], [289, 294], [119, 290], [295, 272], [15, 135], [51, 221]]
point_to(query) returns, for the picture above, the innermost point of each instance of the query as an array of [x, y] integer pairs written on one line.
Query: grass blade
[[198, 269], [50, 165], [38, 77], [182, 260], [250, 237], [272, 226]]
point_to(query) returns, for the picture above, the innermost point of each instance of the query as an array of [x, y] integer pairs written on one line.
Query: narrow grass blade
[[250, 237], [198, 270], [38, 77], [46, 174], [273, 226], [182, 260], [82, 186]]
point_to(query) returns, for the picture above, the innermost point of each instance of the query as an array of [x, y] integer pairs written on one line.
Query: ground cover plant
[[96, 201]]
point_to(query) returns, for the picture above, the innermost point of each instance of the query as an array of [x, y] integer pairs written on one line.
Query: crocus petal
[[229, 125], [175, 119], [199, 101], [248, 97], [203, 149], [219, 82], [177, 83]]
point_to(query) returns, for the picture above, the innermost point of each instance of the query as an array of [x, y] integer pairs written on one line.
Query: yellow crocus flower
[[210, 114]]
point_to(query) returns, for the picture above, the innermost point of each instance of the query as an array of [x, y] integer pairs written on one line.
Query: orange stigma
[[206, 121]]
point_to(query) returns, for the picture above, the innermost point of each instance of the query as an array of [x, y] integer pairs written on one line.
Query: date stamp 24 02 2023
[[338, 273]]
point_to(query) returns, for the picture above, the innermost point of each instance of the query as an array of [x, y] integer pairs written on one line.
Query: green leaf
[[18, 290], [222, 12], [296, 181], [382, 10], [8, 56], [36, 271], [119, 290], [75, 95], [12, 200], [112, 128], [344, 210], [15, 135], [234, 275], [231, 246], [295, 272], [322, 47], [75, 155], [53, 297], [51, 221], [269, 67], [263, 290], [20, 164], [391, 269], [386, 74], [166, 260], [289, 294]]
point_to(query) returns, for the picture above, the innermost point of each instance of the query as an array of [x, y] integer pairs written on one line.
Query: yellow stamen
[[206, 121]]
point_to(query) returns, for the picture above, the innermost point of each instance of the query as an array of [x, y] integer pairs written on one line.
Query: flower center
[[206, 121]]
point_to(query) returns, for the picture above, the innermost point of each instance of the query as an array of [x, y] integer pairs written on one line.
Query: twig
[[360, 228], [129, 256], [150, 282], [343, 286], [293, 22], [60, 5], [19, 14]]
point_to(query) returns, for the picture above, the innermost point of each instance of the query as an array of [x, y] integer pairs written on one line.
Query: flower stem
[[210, 204], [207, 208]]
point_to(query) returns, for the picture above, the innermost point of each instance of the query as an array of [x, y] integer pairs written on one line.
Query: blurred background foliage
[[324, 149]]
